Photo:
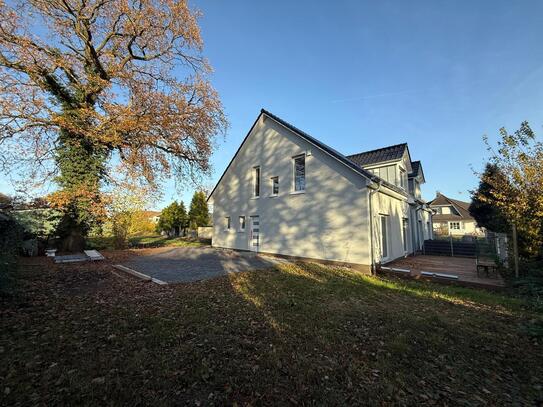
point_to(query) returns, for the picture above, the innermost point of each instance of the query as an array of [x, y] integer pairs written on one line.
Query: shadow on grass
[[297, 333]]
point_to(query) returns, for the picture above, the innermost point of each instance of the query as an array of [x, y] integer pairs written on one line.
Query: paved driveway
[[186, 264]]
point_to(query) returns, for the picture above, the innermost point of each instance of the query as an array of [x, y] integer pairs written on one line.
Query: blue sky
[[360, 75]]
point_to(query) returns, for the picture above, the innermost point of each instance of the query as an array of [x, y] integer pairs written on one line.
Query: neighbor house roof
[[151, 214], [390, 153], [461, 206], [327, 149]]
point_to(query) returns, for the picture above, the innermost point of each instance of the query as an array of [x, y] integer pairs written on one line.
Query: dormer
[[416, 179], [392, 163]]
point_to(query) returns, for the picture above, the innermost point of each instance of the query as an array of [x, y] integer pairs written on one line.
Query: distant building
[[452, 217], [153, 216]]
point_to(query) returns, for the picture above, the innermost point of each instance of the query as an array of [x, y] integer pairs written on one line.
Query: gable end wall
[[328, 222]]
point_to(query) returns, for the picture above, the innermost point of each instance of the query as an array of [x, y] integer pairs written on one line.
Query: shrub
[[10, 241]]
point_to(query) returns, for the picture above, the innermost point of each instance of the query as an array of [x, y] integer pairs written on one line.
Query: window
[[405, 227], [256, 181], [275, 185], [403, 179], [299, 173], [242, 223], [384, 237], [387, 173], [454, 225], [227, 223]]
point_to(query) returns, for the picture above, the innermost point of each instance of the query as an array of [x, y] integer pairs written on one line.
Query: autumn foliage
[[514, 186], [94, 90]]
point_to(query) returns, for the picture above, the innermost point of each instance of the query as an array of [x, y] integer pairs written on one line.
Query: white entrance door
[[254, 233]]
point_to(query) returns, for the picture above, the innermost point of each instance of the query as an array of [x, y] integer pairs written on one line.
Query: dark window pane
[[275, 185], [257, 181]]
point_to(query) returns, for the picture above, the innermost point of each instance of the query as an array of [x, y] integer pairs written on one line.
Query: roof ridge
[[330, 150]]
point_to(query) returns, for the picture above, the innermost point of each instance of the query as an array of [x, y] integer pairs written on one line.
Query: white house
[[452, 217], [286, 193]]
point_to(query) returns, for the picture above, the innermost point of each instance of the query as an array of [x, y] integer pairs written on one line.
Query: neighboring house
[[153, 216], [452, 217], [286, 193]]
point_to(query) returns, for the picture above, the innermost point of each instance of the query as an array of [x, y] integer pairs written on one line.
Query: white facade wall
[[330, 221], [394, 211]]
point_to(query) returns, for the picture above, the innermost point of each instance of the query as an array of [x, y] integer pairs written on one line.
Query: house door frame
[[254, 233]]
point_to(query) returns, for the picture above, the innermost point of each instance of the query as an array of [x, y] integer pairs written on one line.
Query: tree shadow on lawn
[[298, 333], [409, 340]]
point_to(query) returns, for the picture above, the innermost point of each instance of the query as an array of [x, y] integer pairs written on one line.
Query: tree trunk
[[82, 167], [71, 234]]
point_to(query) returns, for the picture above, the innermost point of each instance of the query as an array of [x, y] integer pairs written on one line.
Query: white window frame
[[273, 179], [384, 220], [256, 181], [405, 232], [294, 190], [228, 223], [242, 223], [455, 223], [403, 178]]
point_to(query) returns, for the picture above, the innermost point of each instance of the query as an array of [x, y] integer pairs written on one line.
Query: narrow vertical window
[[299, 173], [242, 223], [227, 223], [384, 237], [403, 178], [256, 181], [275, 185], [405, 227]]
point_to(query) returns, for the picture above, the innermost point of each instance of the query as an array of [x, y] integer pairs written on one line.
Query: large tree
[[198, 212], [517, 184], [173, 219], [94, 89]]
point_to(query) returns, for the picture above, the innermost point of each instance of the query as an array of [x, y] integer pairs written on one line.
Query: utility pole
[[515, 249]]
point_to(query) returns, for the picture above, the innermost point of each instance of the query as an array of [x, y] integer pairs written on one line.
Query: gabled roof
[[415, 165], [461, 207], [151, 214], [327, 149], [390, 153], [336, 154]]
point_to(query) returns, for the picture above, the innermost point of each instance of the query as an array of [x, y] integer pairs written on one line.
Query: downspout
[[373, 190]]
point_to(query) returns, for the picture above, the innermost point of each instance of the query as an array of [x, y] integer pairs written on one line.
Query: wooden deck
[[462, 267]]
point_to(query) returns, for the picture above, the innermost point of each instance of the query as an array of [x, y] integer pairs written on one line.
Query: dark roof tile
[[389, 153], [461, 206], [415, 165]]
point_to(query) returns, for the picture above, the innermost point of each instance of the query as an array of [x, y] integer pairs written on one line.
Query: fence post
[[452, 249], [515, 249]]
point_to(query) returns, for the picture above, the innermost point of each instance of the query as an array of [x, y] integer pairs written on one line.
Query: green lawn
[[296, 334], [106, 242]]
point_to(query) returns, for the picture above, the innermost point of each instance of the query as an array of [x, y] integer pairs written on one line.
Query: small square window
[[242, 223], [275, 185], [227, 223]]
